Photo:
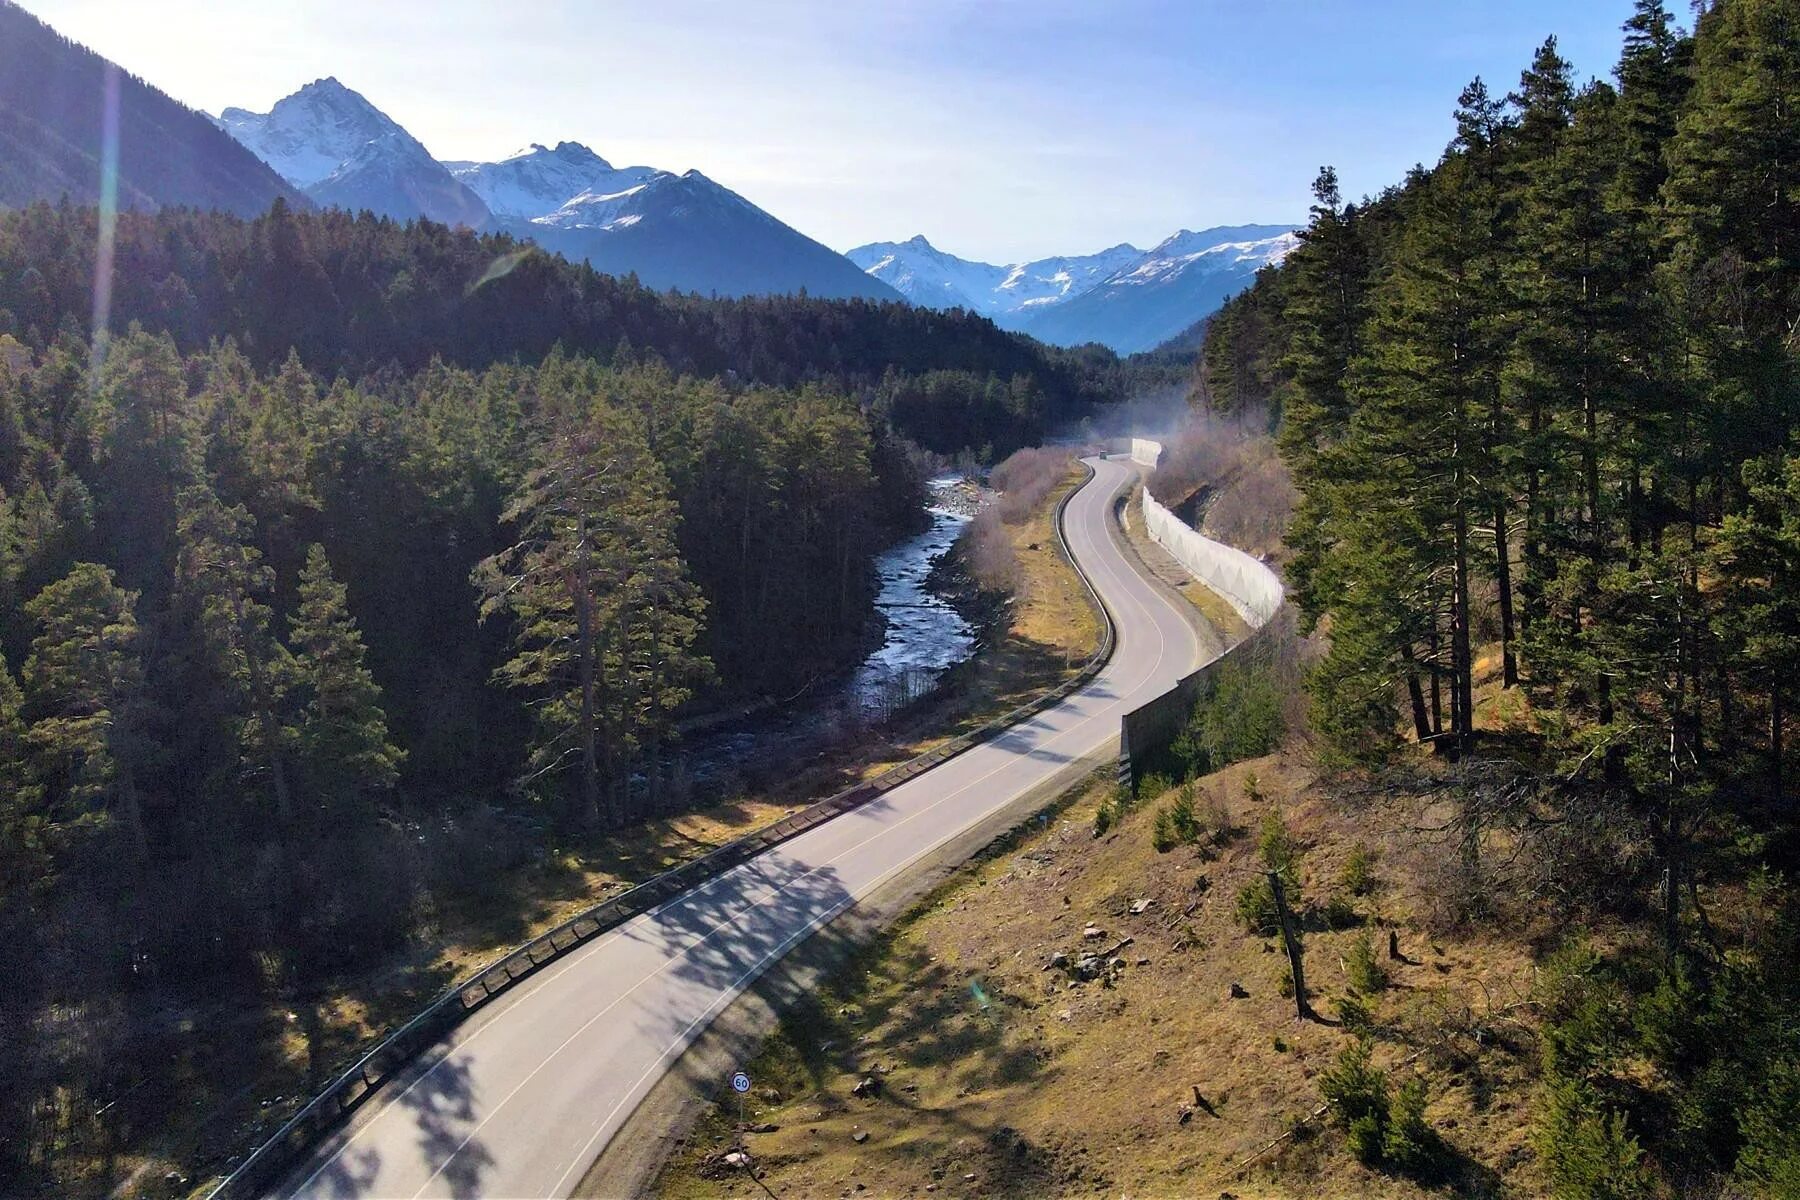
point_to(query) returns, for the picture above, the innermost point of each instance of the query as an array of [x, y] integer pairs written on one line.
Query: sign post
[[740, 1083]]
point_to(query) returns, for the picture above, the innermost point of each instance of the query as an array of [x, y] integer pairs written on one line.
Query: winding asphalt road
[[522, 1097]]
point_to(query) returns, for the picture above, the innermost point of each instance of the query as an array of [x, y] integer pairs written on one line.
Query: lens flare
[[499, 269], [107, 219]]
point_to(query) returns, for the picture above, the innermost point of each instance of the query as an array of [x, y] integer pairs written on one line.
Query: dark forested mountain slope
[[1542, 403], [55, 98], [281, 659], [354, 294], [686, 231]]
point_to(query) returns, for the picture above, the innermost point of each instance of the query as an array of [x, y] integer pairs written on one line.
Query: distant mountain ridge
[[343, 152], [929, 276], [1185, 278], [540, 179], [671, 231], [1123, 297], [52, 133]]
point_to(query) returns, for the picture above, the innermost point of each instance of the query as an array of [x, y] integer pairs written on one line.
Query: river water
[[923, 636]]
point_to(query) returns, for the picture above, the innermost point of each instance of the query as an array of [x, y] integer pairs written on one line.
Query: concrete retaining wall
[[1247, 585], [1145, 451], [1147, 732]]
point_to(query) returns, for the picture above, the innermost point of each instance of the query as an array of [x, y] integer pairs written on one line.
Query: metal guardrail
[[348, 1091]]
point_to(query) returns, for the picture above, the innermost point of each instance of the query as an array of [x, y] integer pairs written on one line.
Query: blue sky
[[1000, 129]]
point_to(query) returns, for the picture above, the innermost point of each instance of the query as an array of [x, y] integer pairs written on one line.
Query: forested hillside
[[255, 625], [74, 125], [347, 562], [1541, 402], [360, 294]]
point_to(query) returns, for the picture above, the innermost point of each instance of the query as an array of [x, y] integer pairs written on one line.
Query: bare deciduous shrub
[[1248, 495], [1202, 453], [1025, 478], [988, 549], [1251, 510], [1598, 857]]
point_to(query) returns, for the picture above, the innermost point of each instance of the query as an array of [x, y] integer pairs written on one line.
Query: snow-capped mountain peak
[[1185, 278], [1048, 281], [669, 230], [926, 275], [1127, 298], [540, 180], [572, 153], [937, 279], [331, 143], [308, 135], [1187, 241]]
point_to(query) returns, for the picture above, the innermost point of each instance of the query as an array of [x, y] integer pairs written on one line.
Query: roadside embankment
[[974, 1051]]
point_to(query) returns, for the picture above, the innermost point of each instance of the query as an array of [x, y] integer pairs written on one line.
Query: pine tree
[[220, 587], [1652, 80], [1769, 1164], [1658, 641], [146, 450], [1420, 443], [1570, 284], [1757, 555], [1326, 306], [1481, 132], [1734, 160], [23, 854], [83, 684], [605, 618], [343, 750], [1536, 277], [10, 563], [1732, 200], [1654, 77]]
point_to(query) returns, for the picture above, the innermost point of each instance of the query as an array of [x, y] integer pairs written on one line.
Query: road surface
[[524, 1095]]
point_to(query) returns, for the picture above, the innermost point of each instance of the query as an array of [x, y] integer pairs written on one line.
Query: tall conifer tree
[[84, 682], [343, 749]]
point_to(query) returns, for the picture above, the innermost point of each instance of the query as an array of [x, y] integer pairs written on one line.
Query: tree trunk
[[1509, 662], [1634, 497], [1295, 964], [134, 814], [1437, 680], [653, 767], [1421, 718], [1462, 665], [264, 701], [1775, 738], [626, 809], [586, 651], [1531, 590]]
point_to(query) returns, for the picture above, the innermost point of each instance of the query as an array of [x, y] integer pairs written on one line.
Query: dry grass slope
[[998, 1076]]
